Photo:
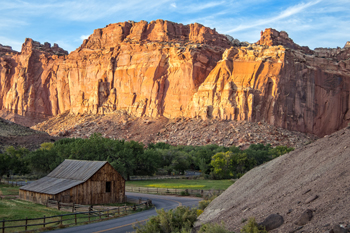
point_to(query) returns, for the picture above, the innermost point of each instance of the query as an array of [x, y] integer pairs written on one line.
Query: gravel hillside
[[315, 177], [12, 134]]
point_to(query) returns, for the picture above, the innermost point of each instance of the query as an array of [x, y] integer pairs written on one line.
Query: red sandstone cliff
[[167, 69]]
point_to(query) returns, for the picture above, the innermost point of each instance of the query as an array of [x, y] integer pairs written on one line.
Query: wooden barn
[[77, 181]]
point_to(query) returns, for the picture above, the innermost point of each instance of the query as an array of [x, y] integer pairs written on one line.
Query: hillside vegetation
[[133, 158]]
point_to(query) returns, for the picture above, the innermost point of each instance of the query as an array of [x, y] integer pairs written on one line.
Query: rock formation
[[347, 45], [166, 69], [284, 87]]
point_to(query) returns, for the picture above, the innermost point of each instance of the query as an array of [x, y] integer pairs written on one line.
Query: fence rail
[[175, 191], [65, 220]]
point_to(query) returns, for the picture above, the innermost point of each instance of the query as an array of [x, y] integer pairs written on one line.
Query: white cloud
[[83, 37], [173, 5], [284, 14]]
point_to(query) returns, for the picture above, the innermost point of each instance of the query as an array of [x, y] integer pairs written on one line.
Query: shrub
[[214, 228], [199, 212], [253, 227], [204, 203], [179, 220], [184, 193]]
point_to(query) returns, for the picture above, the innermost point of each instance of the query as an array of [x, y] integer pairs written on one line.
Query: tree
[[180, 163], [12, 161], [222, 164], [279, 150], [43, 161]]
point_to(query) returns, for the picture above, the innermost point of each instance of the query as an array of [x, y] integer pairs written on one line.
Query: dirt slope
[[285, 184], [178, 131], [12, 134]]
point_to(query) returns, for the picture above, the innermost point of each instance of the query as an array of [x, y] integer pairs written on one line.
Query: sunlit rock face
[[278, 82], [167, 69]]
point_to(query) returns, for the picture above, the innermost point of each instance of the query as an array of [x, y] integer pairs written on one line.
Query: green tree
[[13, 161], [222, 164], [279, 150], [180, 163]]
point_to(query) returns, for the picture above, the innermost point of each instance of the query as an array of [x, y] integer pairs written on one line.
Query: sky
[[313, 23]]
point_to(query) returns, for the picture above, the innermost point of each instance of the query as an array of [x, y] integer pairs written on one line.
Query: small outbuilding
[[78, 181]]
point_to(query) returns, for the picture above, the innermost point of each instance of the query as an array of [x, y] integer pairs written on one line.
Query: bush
[[253, 227], [179, 220], [199, 212], [184, 193], [214, 228], [204, 203]]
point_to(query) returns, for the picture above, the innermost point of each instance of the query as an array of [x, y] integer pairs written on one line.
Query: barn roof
[[67, 175]]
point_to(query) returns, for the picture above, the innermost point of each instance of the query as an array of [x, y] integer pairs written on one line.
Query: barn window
[[108, 187]]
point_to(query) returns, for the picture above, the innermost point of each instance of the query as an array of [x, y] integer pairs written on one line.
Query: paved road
[[124, 224]]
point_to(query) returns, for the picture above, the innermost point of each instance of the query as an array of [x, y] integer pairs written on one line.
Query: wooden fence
[[66, 220], [157, 177], [174, 191]]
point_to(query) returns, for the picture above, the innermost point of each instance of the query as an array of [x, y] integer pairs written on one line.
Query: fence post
[[157, 190], [44, 222], [125, 210], [89, 212], [26, 224], [139, 190], [3, 226], [99, 213], [118, 211], [73, 208], [58, 205], [75, 216]]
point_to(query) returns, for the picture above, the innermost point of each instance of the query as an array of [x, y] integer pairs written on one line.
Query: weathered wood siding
[[40, 198], [91, 192]]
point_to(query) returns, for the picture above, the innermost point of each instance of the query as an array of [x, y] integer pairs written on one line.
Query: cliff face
[[289, 88], [167, 69]]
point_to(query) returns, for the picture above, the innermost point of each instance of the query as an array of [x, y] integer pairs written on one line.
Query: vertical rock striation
[[166, 69]]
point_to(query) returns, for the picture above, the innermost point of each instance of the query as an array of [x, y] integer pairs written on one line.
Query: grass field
[[12, 208], [182, 184], [6, 190]]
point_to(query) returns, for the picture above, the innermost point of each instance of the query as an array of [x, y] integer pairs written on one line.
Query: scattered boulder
[[273, 221], [338, 229], [311, 199], [304, 218]]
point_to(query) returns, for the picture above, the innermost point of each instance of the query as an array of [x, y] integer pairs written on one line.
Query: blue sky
[[315, 23]]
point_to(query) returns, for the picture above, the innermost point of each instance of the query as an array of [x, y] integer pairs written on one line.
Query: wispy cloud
[[68, 22], [187, 8], [284, 14], [88, 10]]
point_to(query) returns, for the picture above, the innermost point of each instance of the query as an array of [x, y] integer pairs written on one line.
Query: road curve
[[124, 224]]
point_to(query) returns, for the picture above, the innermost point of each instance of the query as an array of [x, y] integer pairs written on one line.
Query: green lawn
[[8, 190], [182, 184], [12, 208]]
